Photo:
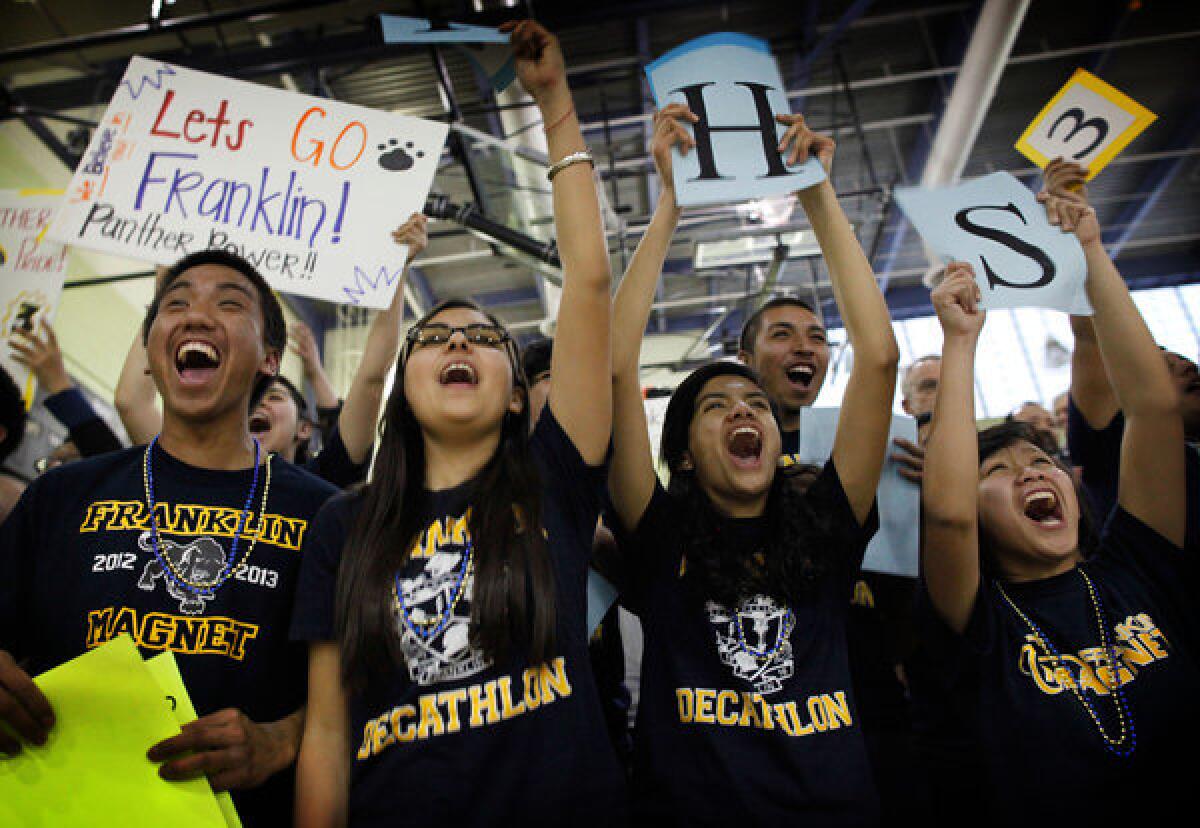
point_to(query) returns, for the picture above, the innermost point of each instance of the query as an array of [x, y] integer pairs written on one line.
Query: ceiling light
[[754, 249]]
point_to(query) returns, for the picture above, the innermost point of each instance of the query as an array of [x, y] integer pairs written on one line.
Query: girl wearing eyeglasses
[[444, 604], [743, 584]]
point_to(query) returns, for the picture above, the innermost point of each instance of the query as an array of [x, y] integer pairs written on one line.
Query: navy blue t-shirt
[[78, 568], [452, 738], [1041, 754], [725, 735], [333, 463], [1098, 452]]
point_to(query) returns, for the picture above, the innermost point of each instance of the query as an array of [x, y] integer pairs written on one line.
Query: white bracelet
[[573, 158]]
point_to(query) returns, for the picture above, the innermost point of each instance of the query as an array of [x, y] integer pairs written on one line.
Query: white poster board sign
[[995, 223], [1087, 121], [895, 548], [306, 189], [732, 84], [32, 272]]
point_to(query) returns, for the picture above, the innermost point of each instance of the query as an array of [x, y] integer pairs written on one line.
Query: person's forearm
[[359, 414], [1133, 362], [635, 296], [322, 388], [577, 223], [952, 453], [285, 736], [322, 780], [135, 395], [863, 309]]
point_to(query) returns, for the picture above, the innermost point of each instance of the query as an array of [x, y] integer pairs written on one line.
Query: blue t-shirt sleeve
[[18, 545], [334, 465], [1098, 453], [577, 488], [652, 550], [827, 499], [1128, 539], [313, 611]]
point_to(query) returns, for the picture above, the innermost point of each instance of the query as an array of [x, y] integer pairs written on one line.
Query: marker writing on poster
[[171, 186], [198, 128]]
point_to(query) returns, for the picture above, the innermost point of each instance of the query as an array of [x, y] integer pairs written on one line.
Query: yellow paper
[[93, 771], [166, 673], [1087, 121]]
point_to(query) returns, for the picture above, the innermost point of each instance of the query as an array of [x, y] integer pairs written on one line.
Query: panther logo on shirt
[[764, 624], [200, 561], [428, 595]]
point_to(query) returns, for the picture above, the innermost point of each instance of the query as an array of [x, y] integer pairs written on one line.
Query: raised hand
[[667, 133], [414, 233], [1065, 200], [1062, 177], [539, 60], [304, 345], [956, 301], [799, 142], [39, 352]]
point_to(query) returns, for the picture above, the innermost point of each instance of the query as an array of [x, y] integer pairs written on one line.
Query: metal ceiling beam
[[252, 14], [1155, 181]]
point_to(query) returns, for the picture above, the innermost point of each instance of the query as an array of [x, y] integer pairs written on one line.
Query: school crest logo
[[433, 607], [761, 652], [200, 561]]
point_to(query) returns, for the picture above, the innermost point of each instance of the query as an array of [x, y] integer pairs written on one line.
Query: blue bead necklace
[[785, 632], [428, 630], [193, 587], [1124, 744]]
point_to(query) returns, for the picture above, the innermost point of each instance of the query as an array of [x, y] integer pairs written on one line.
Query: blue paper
[[1027, 261], [895, 548], [600, 596], [400, 29], [501, 77], [738, 73]]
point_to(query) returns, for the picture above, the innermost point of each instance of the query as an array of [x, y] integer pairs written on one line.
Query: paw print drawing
[[396, 157]]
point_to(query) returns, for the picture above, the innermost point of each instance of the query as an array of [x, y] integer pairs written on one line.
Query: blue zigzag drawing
[[363, 282], [155, 82]]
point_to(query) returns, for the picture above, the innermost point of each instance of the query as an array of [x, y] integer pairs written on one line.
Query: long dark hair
[[513, 603], [800, 543], [1001, 436]]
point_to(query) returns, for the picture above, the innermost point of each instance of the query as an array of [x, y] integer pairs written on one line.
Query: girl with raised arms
[[742, 582], [444, 605], [1070, 658]]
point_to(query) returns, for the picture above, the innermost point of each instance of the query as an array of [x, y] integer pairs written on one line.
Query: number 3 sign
[[1087, 122]]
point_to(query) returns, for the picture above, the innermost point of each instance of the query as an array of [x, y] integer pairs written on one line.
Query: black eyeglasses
[[435, 333]]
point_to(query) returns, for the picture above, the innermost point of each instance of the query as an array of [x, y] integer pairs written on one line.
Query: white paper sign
[[32, 271], [1087, 121], [306, 189], [732, 84], [895, 548], [996, 224]]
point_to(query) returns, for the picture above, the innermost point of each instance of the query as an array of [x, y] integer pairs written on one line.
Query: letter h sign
[[732, 85], [703, 130]]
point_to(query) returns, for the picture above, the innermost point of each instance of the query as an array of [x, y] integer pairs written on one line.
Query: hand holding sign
[[801, 143], [668, 132], [997, 225], [413, 234], [1066, 202], [24, 710], [1087, 121], [539, 58], [732, 86], [957, 303], [39, 352]]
